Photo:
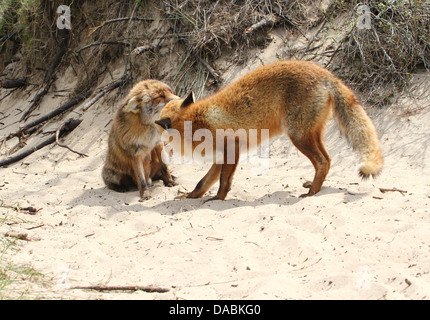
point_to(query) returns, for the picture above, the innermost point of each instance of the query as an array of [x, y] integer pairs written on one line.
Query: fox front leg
[[205, 183], [139, 175]]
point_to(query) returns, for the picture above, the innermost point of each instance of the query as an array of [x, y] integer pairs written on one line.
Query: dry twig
[[149, 289], [327, 18], [383, 190]]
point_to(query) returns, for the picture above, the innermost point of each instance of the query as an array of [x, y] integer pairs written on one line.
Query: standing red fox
[[134, 146], [289, 97]]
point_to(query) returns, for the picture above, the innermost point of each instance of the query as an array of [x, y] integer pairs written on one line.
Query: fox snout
[[165, 123]]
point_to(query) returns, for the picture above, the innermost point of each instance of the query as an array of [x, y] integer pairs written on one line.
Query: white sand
[[350, 241]]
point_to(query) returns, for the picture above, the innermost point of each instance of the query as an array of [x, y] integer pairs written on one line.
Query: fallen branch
[[122, 288], [70, 125], [30, 210], [8, 62], [339, 47], [8, 94], [63, 39], [35, 227]]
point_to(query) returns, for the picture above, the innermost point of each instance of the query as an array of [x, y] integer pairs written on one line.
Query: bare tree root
[[24, 129], [66, 127], [63, 38], [57, 136]]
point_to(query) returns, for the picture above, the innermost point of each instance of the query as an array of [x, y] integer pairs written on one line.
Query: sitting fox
[[289, 97], [134, 146]]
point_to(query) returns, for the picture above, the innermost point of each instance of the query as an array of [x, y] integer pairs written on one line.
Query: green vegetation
[[17, 17], [15, 280]]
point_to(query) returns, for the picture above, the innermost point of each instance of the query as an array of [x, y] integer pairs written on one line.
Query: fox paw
[[307, 184], [145, 196], [212, 199], [170, 184], [181, 195]]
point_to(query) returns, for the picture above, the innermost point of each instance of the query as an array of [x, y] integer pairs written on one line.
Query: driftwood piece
[[139, 50], [70, 125], [17, 235], [8, 62]]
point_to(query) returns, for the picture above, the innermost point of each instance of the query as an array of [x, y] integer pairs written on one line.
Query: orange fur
[[289, 97]]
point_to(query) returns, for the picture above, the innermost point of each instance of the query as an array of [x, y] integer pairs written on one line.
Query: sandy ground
[[350, 241]]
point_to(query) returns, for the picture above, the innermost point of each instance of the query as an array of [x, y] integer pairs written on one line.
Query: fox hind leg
[[118, 181], [312, 146], [225, 181]]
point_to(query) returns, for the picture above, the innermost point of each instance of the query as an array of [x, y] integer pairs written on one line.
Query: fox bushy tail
[[359, 129]]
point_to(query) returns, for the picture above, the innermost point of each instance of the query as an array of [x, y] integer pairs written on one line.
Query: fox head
[[171, 113], [147, 98]]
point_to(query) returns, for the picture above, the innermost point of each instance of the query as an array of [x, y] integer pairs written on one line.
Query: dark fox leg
[[312, 146]]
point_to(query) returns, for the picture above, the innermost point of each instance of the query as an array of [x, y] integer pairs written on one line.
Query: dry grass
[[380, 60], [190, 34], [209, 27]]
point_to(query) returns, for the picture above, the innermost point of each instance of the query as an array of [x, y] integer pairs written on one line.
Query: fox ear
[[132, 105], [165, 123], [188, 100]]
